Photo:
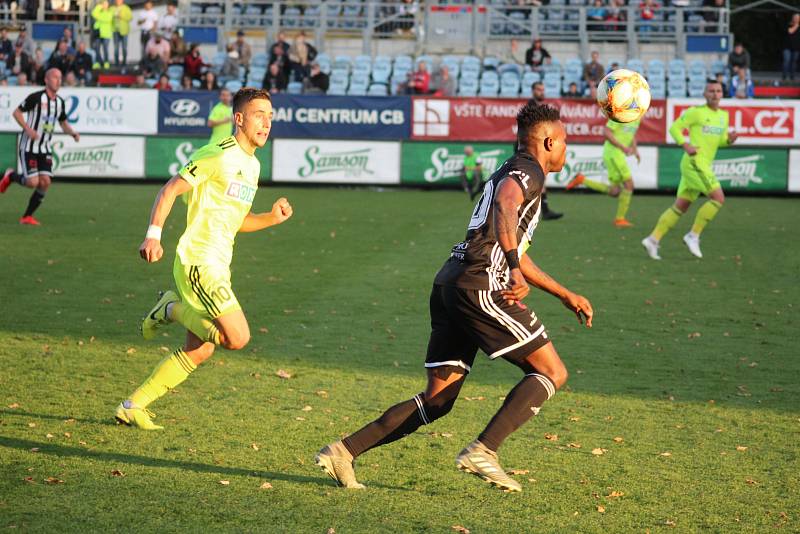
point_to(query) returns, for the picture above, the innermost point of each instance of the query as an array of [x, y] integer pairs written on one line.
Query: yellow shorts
[[696, 179], [617, 167], [205, 288]]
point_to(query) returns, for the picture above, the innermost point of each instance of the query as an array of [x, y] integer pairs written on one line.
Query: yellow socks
[[665, 223], [194, 322], [623, 203], [172, 370], [596, 186], [705, 214]]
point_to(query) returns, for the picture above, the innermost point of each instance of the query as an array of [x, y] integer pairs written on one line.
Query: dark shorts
[[465, 320], [35, 164]]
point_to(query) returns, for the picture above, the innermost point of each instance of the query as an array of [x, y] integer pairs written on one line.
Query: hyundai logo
[[185, 107]]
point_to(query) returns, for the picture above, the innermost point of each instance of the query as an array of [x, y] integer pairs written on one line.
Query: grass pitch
[[682, 411]]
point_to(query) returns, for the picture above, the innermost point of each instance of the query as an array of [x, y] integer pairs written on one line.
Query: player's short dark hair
[[246, 94], [534, 84], [532, 114], [713, 80]]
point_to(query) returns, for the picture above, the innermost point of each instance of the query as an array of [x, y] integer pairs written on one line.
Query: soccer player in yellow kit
[[221, 181], [708, 130]]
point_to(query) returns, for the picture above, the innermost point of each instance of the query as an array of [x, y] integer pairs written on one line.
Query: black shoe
[[551, 215]]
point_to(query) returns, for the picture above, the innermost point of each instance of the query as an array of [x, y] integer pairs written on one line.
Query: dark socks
[[396, 422], [521, 404], [17, 178], [34, 202]]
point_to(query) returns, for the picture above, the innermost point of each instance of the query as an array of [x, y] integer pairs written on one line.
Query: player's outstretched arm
[[281, 210], [578, 304], [150, 250]]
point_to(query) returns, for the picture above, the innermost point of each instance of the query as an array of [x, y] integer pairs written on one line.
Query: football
[[623, 95]]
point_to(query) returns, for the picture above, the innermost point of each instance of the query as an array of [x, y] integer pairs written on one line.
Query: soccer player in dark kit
[[476, 302], [44, 108]]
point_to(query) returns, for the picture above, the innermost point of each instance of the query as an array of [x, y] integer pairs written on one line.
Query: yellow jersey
[[224, 181]]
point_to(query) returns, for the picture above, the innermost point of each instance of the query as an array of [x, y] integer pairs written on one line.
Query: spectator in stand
[[742, 85], [28, 46], [593, 72], [82, 66], [281, 59], [281, 41], [38, 68], [406, 13], [791, 47], [301, 54], [596, 15], [186, 83], [163, 83], [537, 92], [317, 82], [275, 80], [19, 62], [738, 59], [122, 27], [140, 82], [513, 54], [70, 80], [160, 46], [67, 36], [614, 66], [193, 63], [6, 48], [22, 79], [243, 49], [615, 14], [443, 83], [420, 81], [711, 16], [169, 22], [147, 23], [4, 81], [60, 59], [535, 55], [178, 47], [572, 92], [104, 30], [721, 81], [647, 13], [152, 65], [230, 68], [209, 82]]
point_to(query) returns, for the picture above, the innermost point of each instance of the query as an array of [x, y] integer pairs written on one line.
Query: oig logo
[[93, 104], [185, 107]]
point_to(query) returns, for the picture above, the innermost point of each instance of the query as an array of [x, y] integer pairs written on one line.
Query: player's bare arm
[[20, 118], [507, 202], [609, 135], [281, 211], [578, 304], [635, 150], [150, 250], [67, 129], [732, 136]]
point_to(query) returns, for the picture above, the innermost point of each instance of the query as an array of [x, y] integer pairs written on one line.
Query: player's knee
[[439, 405], [44, 182], [201, 354], [613, 192], [236, 340], [32, 182], [559, 376]]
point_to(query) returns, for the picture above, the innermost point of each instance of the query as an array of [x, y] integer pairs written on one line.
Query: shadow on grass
[[62, 451], [22, 413]]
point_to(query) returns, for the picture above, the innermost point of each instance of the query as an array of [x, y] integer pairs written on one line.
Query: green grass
[[687, 361]]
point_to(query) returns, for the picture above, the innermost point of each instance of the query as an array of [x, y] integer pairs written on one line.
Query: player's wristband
[[512, 259], [153, 232]]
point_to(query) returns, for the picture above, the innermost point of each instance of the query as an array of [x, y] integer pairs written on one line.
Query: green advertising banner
[[8, 150], [737, 169], [435, 163], [164, 156]]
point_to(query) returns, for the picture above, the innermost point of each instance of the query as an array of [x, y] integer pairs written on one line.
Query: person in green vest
[[220, 120], [472, 173], [122, 27], [103, 31]]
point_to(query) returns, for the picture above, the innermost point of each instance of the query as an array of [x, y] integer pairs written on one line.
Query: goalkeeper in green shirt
[[620, 143], [471, 173], [708, 130]]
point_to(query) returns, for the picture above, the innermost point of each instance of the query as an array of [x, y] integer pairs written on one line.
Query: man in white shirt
[[169, 22], [147, 22]]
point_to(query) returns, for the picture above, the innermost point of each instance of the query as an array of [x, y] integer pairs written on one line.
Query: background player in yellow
[[708, 130], [620, 143], [221, 181], [220, 120]]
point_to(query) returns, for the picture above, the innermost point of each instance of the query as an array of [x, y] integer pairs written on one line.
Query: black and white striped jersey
[[478, 262], [43, 115]]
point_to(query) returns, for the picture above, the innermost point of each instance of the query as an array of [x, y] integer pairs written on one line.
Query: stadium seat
[[656, 69], [471, 64], [554, 68], [658, 87], [213, 16], [175, 71], [676, 87], [529, 78], [491, 63], [697, 87], [233, 85], [339, 88], [489, 87], [291, 17], [552, 86], [294, 88], [468, 86], [378, 89], [310, 17], [259, 60], [636, 65], [509, 85], [403, 63], [357, 90], [491, 76], [362, 64], [676, 69], [718, 67], [342, 62], [382, 70], [697, 69], [251, 16], [510, 67]]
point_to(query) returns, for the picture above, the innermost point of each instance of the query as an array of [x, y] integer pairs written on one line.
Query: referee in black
[[44, 108]]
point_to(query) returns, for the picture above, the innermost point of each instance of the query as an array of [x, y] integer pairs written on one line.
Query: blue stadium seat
[[259, 60], [697, 87], [403, 62], [636, 65], [233, 85], [294, 88], [468, 86], [656, 69], [529, 78], [552, 87], [382, 70], [378, 89], [510, 67], [491, 62], [338, 88], [658, 87], [489, 87], [175, 71], [676, 68], [676, 87], [697, 69], [509, 85], [718, 67], [342, 62], [491, 76]]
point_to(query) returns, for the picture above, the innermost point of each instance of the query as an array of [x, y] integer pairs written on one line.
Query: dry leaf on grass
[[31, 425], [299, 418], [254, 446], [225, 482], [574, 445], [618, 439], [29, 480], [518, 472], [669, 523], [331, 531], [280, 373], [130, 351], [751, 482], [322, 393], [49, 435], [741, 448], [13, 405], [265, 485], [597, 451], [601, 508], [460, 529], [34, 449], [551, 437], [614, 494], [574, 419], [264, 330], [307, 408], [53, 480], [117, 473], [666, 453]]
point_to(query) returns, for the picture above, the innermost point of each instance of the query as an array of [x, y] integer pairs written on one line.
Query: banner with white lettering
[[92, 110], [758, 122], [98, 156], [185, 112], [344, 162], [341, 117]]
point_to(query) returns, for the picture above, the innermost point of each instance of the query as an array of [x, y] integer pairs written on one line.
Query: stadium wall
[[416, 141]]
